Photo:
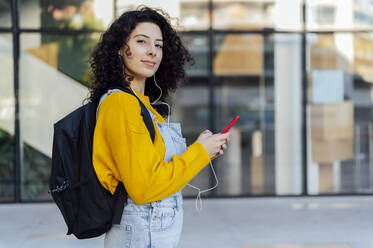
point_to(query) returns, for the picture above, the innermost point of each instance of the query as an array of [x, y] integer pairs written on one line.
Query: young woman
[[141, 51]]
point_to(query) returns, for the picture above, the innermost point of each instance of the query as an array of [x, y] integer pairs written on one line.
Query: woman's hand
[[214, 143]]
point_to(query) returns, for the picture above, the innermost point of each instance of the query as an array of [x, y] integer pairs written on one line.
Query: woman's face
[[145, 51]]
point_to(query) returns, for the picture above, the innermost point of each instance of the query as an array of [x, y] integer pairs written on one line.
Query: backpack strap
[[144, 111], [120, 190]]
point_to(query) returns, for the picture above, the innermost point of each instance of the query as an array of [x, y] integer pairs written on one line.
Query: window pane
[[247, 166], [198, 47], [53, 79], [191, 14], [243, 14], [194, 14], [251, 165], [6, 119], [68, 54], [362, 98], [70, 14], [321, 15], [362, 14], [238, 54], [335, 15], [5, 16], [191, 110], [340, 113]]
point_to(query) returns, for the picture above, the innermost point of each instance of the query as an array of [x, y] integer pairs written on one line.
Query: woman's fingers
[[222, 137]]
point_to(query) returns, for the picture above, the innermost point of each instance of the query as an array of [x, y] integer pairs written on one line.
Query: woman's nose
[[152, 51]]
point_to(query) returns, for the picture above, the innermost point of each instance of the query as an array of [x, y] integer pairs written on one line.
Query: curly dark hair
[[108, 67]]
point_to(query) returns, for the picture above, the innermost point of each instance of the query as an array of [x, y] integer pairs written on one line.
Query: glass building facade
[[298, 72]]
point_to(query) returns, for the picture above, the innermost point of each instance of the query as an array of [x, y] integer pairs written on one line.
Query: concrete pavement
[[275, 222]]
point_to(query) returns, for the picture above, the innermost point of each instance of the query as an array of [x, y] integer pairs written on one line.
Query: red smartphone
[[231, 124]]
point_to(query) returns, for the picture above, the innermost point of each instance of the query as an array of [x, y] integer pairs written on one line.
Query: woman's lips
[[148, 63]]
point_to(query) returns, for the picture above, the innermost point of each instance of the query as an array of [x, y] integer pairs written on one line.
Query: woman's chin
[[147, 75]]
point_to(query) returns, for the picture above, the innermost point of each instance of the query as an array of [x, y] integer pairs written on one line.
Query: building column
[[288, 114]]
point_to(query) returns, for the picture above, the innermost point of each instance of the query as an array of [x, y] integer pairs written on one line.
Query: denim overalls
[[156, 224]]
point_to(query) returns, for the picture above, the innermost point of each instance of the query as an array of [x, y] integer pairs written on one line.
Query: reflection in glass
[[53, 82], [194, 15], [238, 54], [335, 14], [197, 46], [324, 15], [68, 54], [362, 14], [340, 112], [362, 97], [245, 63], [36, 173], [5, 17], [363, 56], [247, 166], [70, 14], [185, 14], [7, 109], [191, 110], [243, 14]]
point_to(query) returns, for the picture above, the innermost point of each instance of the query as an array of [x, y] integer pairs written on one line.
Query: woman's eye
[[140, 41], [160, 46]]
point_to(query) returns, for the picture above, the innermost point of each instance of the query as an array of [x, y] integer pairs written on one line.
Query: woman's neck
[[138, 85]]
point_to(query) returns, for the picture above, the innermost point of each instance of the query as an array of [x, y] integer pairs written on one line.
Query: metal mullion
[[194, 32], [349, 31], [304, 105], [252, 31], [274, 31], [245, 31], [210, 69], [211, 87], [17, 143], [58, 31], [5, 30]]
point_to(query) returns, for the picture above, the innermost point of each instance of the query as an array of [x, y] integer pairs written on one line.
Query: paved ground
[[301, 222]]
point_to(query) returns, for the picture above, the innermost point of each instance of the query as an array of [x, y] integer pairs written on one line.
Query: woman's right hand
[[214, 143]]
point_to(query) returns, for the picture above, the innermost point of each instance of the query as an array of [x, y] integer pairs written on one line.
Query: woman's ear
[[125, 50]]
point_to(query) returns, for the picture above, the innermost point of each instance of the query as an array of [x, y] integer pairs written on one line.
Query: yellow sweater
[[123, 151]]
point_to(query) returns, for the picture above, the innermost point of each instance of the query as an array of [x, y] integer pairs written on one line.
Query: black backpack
[[88, 209]]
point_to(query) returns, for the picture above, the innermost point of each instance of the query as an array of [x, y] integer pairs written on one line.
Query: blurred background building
[[298, 72]]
